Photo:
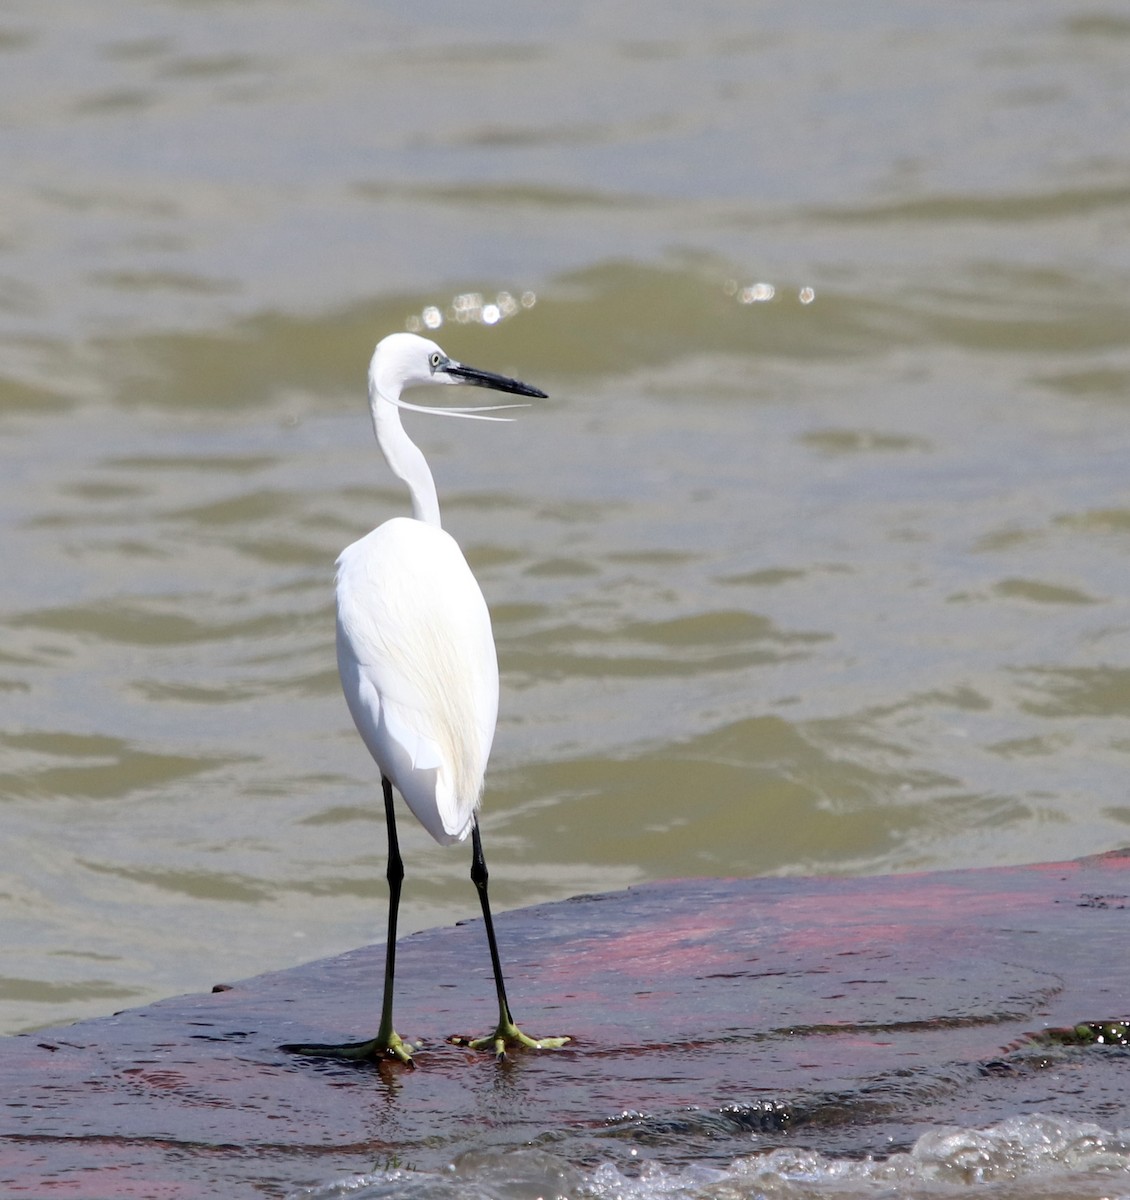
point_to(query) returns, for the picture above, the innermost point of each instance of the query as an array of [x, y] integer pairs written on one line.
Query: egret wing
[[418, 666]]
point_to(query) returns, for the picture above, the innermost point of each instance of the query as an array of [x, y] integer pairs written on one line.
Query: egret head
[[404, 360]]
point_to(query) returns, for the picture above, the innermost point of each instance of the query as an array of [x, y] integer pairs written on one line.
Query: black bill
[[488, 379]]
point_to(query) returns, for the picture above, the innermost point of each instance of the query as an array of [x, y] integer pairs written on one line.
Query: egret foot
[[379, 1049], [508, 1036]]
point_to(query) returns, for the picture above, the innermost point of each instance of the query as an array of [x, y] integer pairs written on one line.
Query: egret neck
[[405, 458]]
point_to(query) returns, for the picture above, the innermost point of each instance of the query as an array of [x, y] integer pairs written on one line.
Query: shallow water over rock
[[837, 1029]]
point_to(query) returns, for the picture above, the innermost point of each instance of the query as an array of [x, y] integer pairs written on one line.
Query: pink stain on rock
[[709, 1017]]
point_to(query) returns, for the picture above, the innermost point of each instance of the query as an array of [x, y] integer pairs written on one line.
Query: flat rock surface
[[709, 1018]]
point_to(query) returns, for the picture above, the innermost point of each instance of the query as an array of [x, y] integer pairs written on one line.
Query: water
[[1023, 1158], [827, 581]]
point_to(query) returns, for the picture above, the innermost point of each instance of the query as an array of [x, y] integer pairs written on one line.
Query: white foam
[[1022, 1158]]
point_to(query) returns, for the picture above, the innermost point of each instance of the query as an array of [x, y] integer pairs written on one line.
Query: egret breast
[[418, 667]]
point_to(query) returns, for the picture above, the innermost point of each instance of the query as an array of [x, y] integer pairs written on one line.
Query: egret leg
[[507, 1034], [388, 1043]]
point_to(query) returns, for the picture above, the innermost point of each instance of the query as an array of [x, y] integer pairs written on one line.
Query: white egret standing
[[418, 667]]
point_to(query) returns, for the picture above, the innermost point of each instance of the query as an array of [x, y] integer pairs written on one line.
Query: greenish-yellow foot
[[379, 1049], [508, 1037]]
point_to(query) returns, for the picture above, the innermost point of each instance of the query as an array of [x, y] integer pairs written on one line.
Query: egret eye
[[435, 359]]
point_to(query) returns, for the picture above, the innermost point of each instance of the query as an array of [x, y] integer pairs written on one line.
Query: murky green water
[[830, 582]]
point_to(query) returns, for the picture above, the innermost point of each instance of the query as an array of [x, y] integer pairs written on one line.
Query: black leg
[[479, 877], [387, 1044], [506, 1033], [395, 876]]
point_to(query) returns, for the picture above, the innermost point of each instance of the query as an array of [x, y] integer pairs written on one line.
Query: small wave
[[1022, 1158]]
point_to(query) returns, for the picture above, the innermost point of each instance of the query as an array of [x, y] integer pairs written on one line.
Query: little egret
[[418, 666]]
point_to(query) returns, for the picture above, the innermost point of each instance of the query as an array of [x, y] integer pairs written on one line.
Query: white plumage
[[418, 667], [417, 660]]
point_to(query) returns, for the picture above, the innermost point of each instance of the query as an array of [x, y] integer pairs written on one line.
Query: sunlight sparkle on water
[[471, 308], [762, 292], [758, 293]]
